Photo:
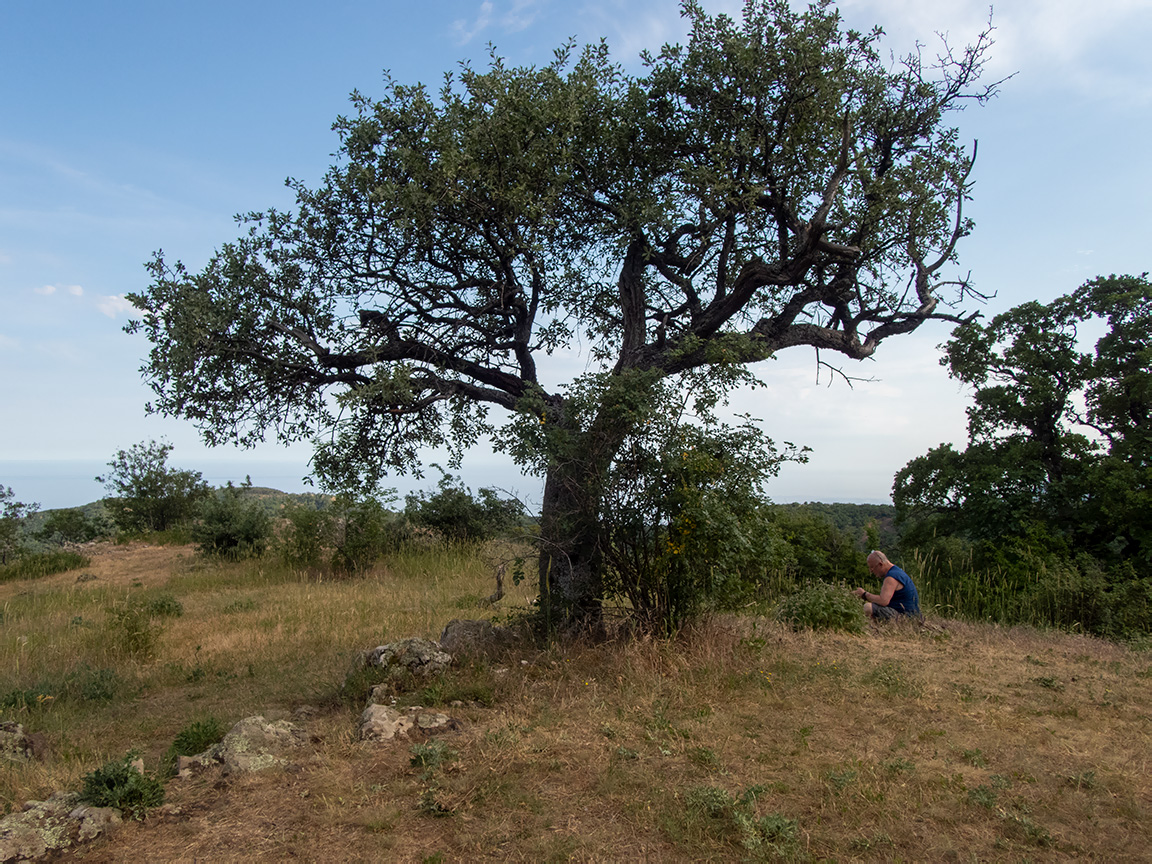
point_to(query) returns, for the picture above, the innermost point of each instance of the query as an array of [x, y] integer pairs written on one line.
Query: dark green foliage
[[38, 564], [684, 520], [82, 684], [147, 495], [813, 547], [822, 606], [458, 515], [133, 629], [1052, 498], [119, 784], [73, 525], [349, 535], [12, 515], [164, 606], [192, 740], [773, 182], [715, 812], [228, 526]]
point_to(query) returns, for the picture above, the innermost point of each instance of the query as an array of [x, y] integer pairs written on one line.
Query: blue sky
[[127, 127]]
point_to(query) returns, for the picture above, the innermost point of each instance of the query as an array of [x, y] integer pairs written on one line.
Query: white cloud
[[464, 32], [117, 304], [521, 15], [1094, 47], [47, 290]]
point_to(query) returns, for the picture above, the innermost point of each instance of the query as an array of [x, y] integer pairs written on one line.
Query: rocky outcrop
[[385, 723], [17, 745], [253, 744], [470, 638], [413, 656], [45, 827]]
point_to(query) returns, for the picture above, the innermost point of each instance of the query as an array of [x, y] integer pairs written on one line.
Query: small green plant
[[164, 606], [736, 819], [122, 784], [974, 758], [133, 629], [822, 606], [983, 796], [192, 740], [430, 756], [890, 678]]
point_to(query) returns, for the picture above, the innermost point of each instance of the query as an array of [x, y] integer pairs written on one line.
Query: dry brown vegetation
[[739, 740]]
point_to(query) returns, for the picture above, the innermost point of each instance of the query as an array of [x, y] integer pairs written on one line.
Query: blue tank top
[[906, 600]]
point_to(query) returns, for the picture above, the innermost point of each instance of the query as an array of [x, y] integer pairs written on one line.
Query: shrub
[[147, 495], [122, 785], [457, 515], [229, 527], [12, 515], [306, 536], [39, 564], [822, 606], [133, 630], [192, 740], [73, 525]]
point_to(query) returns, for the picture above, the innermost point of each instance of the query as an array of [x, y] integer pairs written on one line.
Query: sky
[[129, 126]]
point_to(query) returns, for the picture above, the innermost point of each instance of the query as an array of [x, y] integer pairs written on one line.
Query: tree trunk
[[571, 587]]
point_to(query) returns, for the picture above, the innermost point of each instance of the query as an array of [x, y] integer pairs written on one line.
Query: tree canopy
[[769, 184], [1060, 443]]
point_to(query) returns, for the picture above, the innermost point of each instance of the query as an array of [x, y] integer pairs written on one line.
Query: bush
[[685, 524], [40, 564], [12, 515], [133, 630], [192, 740], [822, 606], [147, 495], [230, 528], [457, 515], [121, 785], [349, 536], [73, 525]]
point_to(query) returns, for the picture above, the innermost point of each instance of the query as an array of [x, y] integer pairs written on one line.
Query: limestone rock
[[45, 827], [16, 745], [253, 744], [476, 638], [385, 723], [413, 655]]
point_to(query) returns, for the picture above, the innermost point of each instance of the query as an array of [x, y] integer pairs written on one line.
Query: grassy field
[[739, 740]]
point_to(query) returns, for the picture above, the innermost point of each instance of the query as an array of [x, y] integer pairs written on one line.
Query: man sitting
[[897, 595]]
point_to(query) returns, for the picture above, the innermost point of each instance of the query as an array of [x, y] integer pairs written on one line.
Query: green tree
[[1059, 446], [12, 514], [458, 514], [148, 495], [73, 525], [774, 182]]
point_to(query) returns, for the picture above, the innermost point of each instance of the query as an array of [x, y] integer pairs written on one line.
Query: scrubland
[[736, 740]]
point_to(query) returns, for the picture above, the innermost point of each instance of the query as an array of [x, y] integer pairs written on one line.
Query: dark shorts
[[887, 613]]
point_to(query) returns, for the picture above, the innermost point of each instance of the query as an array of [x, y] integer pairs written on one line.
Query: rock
[[416, 656], [476, 638], [48, 826], [14, 744], [385, 723], [253, 744]]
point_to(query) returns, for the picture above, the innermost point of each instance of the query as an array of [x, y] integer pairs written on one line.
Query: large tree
[[770, 184], [1059, 432]]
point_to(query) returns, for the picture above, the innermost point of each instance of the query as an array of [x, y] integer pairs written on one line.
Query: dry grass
[[965, 743]]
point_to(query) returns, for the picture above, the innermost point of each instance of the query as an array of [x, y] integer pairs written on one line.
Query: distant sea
[[54, 484]]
